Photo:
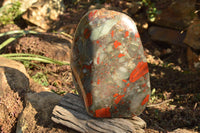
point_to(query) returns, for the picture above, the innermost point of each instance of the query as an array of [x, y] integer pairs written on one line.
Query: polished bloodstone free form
[[108, 64]]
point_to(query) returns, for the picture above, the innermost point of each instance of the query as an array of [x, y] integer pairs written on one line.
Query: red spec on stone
[[108, 64]]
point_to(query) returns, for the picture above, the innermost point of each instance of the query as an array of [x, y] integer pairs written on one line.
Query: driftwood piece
[[71, 112]]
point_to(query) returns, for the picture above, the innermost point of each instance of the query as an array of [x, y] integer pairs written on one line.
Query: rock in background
[[193, 35], [20, 106], [36, 117], [176, 14], [177, 26], [44, 13], [41, 13], [25, 4], [166, 35], [192, 39], [51, 45], [14, 83]]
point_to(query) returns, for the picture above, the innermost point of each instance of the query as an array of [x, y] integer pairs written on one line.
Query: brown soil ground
[[176, 101]]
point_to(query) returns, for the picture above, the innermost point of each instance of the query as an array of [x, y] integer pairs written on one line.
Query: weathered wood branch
[[71, 112]]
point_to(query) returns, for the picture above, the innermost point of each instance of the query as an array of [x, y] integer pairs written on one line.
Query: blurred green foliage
[[41, 78], [9, 12], [152, 11]]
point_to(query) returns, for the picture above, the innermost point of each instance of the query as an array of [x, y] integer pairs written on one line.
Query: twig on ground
[[158, 104]]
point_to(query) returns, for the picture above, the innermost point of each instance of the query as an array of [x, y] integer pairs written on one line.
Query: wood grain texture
[[71, 113]]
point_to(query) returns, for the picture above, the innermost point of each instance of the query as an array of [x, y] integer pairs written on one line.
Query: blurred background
[[170, 33]]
